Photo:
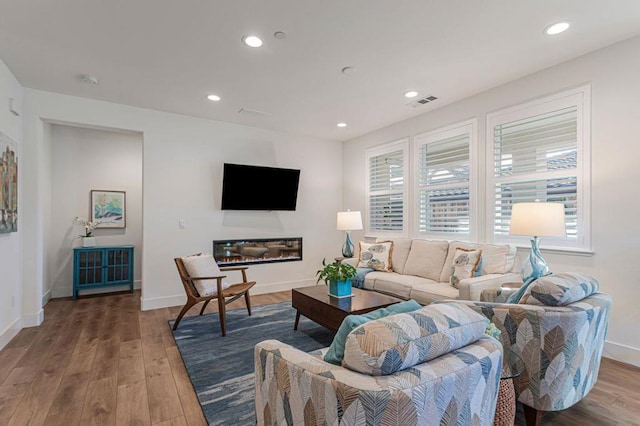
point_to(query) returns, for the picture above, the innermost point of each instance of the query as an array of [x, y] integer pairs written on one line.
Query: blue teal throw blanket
[[358, 281]]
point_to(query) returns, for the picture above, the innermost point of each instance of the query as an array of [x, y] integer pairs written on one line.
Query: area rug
[[221, 368]]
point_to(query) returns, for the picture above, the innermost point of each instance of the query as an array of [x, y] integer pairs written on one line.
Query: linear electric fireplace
[[257, 250]]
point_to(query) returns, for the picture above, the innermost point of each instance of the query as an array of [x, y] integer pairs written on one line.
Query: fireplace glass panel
[[254, 251]]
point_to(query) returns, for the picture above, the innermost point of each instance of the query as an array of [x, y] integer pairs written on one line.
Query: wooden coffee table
[[316, 304]]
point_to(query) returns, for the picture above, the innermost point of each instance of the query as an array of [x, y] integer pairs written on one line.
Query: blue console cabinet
[[102, 266]]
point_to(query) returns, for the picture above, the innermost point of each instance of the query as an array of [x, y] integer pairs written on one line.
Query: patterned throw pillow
[[384, 346], [465, 264], [376, 256], [204, 265]]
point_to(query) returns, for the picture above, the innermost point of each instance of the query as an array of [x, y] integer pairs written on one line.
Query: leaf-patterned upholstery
[[295, 388], [557, 348]]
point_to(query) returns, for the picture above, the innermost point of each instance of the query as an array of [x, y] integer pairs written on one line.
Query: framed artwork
[[8, 185], [108, 208]]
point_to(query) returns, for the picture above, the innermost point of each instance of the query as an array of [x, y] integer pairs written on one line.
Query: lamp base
[[347, 248], [535, 266]]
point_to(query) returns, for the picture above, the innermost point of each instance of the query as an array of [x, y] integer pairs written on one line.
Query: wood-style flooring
[[100, 360]]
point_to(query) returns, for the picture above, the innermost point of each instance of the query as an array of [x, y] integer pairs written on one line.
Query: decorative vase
[[535, 266], [88, 241], [347, 248], [340, 288]]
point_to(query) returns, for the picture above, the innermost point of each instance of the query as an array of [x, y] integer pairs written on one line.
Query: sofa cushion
[[335, 353], [397, 342], [396, 284], [560, 289], [426, 259], [496, 258], [203, 265], [376, 255], [465, 264], [401, 247], [428, 293]]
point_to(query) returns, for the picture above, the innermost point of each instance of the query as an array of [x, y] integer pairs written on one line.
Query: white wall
[[10, 259], [81, 160], [182, 171], [613, 73]]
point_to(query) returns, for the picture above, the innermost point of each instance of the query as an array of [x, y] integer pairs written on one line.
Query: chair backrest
[[187, 282]]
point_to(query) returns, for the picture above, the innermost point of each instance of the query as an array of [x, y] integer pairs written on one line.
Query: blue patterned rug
[[221, 368]]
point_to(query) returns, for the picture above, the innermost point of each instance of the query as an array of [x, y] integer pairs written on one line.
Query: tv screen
[[247, 187]]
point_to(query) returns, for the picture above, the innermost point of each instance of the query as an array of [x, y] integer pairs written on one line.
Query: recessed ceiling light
[[342, 124], [214, 98], [280, 35], [556, 28], [252, 41], [410, 94], [348, 70]]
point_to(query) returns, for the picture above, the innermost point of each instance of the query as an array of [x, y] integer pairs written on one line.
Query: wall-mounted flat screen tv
[[247, 187]]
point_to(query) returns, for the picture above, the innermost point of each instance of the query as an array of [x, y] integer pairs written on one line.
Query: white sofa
[[422, 268]]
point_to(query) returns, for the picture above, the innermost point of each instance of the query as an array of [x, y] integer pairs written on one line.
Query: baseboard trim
[[622, 353], [46, 297], [179, 299], [10, 332], [281, 286], [162, 302], [67, 291], [33, 320]]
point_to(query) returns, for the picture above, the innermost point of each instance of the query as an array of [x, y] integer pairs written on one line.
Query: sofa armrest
[[471, 288], [294, 387]]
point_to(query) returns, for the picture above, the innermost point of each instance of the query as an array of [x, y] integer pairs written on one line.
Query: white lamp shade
[[538, 220], [349, 221]]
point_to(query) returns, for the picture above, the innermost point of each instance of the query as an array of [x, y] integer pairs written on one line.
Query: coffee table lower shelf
[[316, 304]]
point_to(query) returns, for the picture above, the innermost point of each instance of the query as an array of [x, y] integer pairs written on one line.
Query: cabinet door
[[90, 264], [118, 267]]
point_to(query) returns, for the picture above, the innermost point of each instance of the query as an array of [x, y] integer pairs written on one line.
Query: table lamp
[[348, 221], [537, 220]]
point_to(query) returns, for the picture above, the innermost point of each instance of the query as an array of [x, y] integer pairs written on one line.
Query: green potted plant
[[338, 276]]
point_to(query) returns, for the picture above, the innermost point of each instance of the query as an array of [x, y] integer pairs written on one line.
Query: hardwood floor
[[100, 360]]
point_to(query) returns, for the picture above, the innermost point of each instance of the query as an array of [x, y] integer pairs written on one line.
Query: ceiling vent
[[255, 112], [423, 101]]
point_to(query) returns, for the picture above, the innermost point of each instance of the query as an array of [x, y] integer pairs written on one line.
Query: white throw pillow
[[376, 256], [465, 263], [204, 265]]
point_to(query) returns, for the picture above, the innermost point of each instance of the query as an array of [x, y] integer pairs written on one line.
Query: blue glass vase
[[535, 267], [347, 248]]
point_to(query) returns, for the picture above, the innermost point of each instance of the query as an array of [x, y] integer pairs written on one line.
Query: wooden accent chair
[[224, 297]]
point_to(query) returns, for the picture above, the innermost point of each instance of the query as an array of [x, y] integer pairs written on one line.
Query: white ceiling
[[169, 54]]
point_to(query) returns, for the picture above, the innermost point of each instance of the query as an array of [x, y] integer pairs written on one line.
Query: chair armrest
[[471, 288], [207, 278]]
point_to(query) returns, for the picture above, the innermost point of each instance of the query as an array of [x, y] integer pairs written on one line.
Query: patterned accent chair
[[554, 335], [432, 366]]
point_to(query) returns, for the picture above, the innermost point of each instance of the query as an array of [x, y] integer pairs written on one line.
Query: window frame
[[469, 128], [579, 97], [402, 145]]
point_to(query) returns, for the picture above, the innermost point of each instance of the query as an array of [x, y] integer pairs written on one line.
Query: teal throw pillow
[[335, 354]]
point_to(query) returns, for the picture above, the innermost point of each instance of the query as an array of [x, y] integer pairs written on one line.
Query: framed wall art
[[8, 185], [108, 208]]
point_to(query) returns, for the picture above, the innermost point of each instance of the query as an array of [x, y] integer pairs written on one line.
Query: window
[[445, 183], [540, 151], [387, 189]]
